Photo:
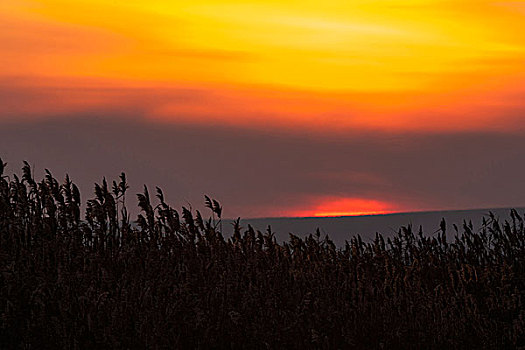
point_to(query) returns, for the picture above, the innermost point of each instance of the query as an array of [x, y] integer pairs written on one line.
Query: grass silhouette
[[170, 280]]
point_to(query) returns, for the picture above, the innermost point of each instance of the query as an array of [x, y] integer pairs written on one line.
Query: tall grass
[[171, 280]]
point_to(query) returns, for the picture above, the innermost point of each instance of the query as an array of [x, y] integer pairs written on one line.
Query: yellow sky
[[380, 64]]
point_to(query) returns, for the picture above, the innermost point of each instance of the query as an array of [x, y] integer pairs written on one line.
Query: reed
[[172, 280]]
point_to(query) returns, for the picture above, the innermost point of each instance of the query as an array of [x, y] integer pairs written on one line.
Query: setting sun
[[345, 207]]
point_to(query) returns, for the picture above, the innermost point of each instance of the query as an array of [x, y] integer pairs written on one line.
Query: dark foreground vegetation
[[171, 280]]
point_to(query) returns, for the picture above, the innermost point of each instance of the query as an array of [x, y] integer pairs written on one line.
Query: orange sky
[[327, 66]]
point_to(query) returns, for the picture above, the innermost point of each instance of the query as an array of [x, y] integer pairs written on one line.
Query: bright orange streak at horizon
[[328, 65], [352, 213], [332, 207]]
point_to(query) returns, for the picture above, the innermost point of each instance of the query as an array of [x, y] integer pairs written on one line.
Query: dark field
[[170, 279]]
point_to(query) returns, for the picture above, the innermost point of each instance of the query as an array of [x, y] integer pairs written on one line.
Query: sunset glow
[[323, 68], [330, 207], [392, 64]]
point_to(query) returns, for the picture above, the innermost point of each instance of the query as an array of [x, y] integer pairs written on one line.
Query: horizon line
[[377, 214]]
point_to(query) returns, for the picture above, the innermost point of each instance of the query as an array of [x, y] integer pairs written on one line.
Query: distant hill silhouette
[[343, 228]]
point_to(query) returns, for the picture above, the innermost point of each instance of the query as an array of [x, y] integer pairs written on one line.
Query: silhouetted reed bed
[[171, 280]]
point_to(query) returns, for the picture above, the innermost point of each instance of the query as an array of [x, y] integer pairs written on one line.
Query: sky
[[275, 108]]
